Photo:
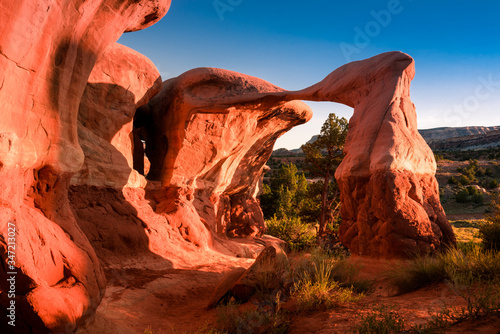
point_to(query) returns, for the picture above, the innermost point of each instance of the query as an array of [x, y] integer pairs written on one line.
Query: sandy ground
[[174, 300]]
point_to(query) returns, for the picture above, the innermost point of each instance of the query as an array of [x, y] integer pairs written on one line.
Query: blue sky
[[293, 44]]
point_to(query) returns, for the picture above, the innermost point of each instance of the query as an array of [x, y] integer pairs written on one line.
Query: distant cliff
[[463, 138], [445, 133], [441, 139]]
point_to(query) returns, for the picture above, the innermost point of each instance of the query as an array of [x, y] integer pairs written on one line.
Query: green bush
[[493, 184], [490, 234], [452, 180], [464, 180], [293, 231], [478, 198], [383, 320], [473, 191], [462, 196]]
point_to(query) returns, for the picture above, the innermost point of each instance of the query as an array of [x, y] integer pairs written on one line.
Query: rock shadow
[[103, 207]]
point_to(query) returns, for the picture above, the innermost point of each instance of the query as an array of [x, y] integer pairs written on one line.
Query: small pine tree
[[322, 158]]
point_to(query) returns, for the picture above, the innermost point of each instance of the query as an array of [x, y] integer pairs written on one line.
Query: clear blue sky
[[293, 44]]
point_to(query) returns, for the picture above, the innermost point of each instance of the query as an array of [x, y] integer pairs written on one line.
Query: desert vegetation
[[325, 280], [305, 211]]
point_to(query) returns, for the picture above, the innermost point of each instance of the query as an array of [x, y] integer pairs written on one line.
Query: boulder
[[267, 273]]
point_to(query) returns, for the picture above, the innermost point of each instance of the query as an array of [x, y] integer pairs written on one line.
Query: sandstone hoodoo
[[47, 51], [389, 193]]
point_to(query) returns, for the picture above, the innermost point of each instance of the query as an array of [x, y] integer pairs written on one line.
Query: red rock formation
[[209, 153], [209, 133], [47, 51], [390, 197], [122, 80]]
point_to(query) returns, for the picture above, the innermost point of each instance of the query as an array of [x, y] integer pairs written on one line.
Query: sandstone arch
[[390, 196]]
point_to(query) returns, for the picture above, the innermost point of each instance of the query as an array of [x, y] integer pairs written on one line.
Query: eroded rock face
[[208, 144], [122, 80], [390, 197], [389, 192], [270, 271], [47, 51]]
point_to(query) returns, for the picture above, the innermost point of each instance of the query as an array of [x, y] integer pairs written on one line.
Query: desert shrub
[[414, 274], [311, 296], [452, 180], [293, 231], [324, 282], [490, 230], [383, 320], [464, 180], [473, 191], [462, 196], [478, 198], [482, 295], [284, 193], [423, 270], [472, 273], [488, 172], [493, 184], [490, 234], [481, 264], [322, 266], [468, 194], [268, 318]]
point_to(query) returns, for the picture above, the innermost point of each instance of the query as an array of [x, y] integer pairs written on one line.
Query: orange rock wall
[[47, 51]]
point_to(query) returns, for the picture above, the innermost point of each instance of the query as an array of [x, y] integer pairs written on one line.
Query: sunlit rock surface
[[47, 52], [389, 193], [208, 144]]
